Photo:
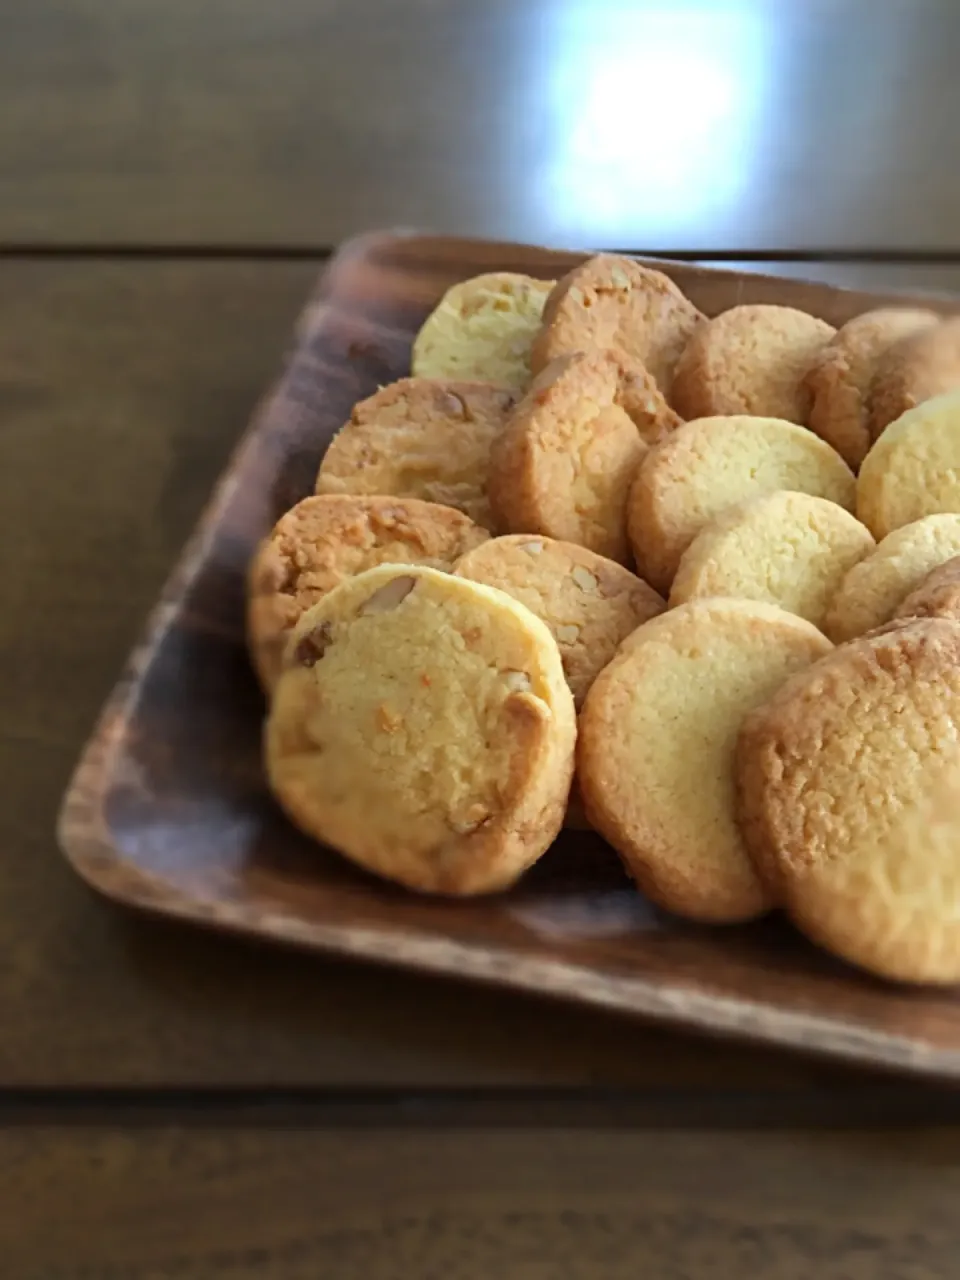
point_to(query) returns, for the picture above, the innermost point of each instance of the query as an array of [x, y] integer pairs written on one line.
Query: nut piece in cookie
[[613, 303], [564, 464], [789, 549], [712, 464], [872, 591], [323, 540], [421, 438], [427, 733], [483, 328], [656, 743], [750, 360], [938, 596], [917, 368], [848, 780], [913, 470], [840, 377], [589, 603]]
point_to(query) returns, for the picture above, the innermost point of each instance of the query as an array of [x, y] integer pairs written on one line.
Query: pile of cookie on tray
[[692, 582]]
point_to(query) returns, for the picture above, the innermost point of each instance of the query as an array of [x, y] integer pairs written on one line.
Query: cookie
[[840, 378], [613, 303], [323, 540], [914, 370], [589, 603], [938, 596], [482, 328], [750, 360], [712, 464], [847, 797], [421, 438], [873, 590], [656, 744], [913, 470], [422, 726], [790, 549], [564, 464]]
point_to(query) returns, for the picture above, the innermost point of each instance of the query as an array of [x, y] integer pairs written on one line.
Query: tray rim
[[82, 837]]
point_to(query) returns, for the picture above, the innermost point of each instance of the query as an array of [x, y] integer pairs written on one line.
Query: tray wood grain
[[168, 811]]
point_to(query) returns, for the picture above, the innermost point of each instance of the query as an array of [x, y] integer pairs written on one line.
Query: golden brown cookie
[[323, 540], [711, 464], [613, 303], [564, 465], [655, 751], [423, 727], [790, 549], [938, 595], [914, 370], [840, 378], [913, 470], [847, 796], [589, 603], [872, 591], [421, 438], [483, 328], [750, 360]]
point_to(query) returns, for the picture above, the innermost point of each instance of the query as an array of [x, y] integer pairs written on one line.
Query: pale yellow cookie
[[790, 549], [840, 378], [916, 369], [872, 591], [938, 595], [913, 470], [589, 603], [712, 464], [657, 737], [483, 328], [750, 360], [422, 726], [325, 539], [564, 464], [421, 438], [613, 303], [848, 783]]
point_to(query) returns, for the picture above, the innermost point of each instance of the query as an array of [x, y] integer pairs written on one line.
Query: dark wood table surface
[[171, 177]]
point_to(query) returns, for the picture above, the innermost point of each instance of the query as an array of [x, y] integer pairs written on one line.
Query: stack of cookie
[[589, 563]]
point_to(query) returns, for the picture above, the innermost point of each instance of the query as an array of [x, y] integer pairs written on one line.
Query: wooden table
[[176, 1105]]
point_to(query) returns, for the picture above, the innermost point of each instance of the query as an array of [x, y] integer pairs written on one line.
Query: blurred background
[[749, 125]]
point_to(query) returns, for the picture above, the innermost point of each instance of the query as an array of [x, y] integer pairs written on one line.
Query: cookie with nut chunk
[[423, 726], [589, 603], [327, 538], [421, 438]]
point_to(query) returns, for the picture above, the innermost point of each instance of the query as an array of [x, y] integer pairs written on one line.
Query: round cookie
[[711, 464], [847, 796], [872, 591], [421, 438], [913, 370], [913, 470], [938, 596], [564, 464], [423, 727], [589, 603], [656, 745], [841, 375], [790, 549], [750, 360], [613, 303], [325, 539], [483, 328]]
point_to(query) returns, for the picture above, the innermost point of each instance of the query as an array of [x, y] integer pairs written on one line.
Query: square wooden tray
[[168, 810]]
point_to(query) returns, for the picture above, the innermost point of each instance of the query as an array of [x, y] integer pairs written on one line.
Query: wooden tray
[[168, 810]]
